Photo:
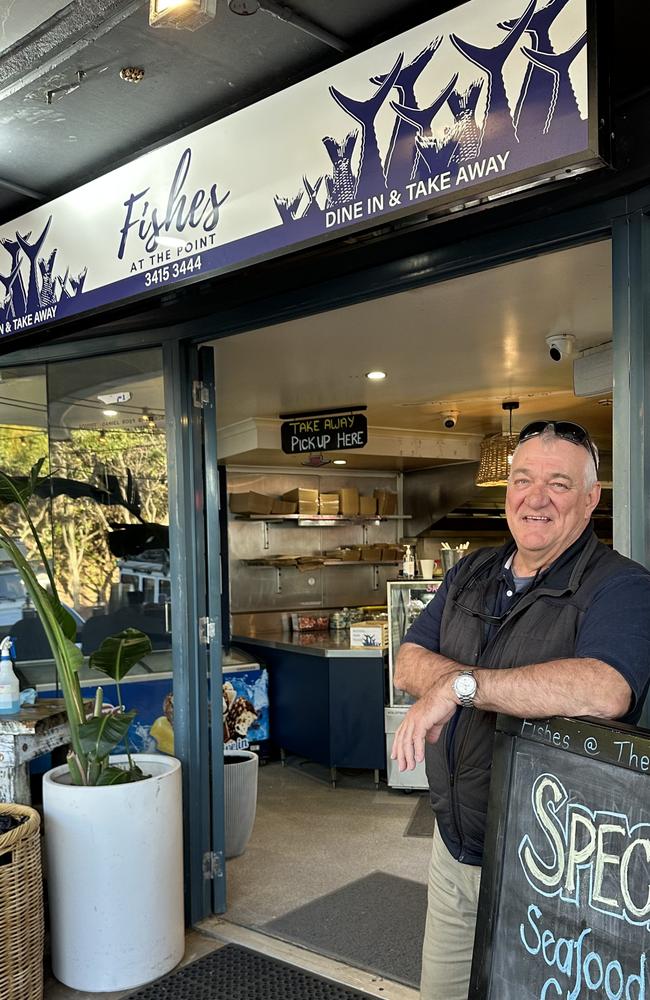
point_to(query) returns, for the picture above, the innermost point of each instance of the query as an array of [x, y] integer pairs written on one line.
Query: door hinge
[[200, 395], [207, 630], [212, 865]]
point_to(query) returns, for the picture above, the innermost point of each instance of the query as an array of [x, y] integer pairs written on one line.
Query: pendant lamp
[[496, 453]]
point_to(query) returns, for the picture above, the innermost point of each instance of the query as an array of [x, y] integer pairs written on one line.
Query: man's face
[[547, 503]]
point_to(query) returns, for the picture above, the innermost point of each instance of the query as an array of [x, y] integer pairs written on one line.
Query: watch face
[[465, 685]]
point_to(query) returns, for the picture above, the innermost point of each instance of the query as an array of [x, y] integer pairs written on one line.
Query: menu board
[[564, 909]]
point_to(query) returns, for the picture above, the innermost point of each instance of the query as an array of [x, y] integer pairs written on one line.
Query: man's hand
[[423, 723]]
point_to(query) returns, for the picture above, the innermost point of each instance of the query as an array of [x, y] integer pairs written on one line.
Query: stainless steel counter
[[331, 643]]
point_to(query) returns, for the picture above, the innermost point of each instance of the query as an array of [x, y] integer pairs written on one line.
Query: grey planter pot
[[240, 793]]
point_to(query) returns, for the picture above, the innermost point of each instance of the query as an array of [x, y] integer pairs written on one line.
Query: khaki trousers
[[451, 921]]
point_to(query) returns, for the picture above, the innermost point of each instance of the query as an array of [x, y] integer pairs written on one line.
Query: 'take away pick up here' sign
[[483, 98], [565, 893], [328, 433]]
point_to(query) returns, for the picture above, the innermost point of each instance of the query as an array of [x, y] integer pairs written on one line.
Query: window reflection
[[23, 442], [102, 518], [109, 494]]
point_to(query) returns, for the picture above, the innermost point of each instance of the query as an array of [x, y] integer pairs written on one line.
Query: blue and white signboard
[[483, 98]]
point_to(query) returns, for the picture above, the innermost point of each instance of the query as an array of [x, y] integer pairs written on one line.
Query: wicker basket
[[21, 908]]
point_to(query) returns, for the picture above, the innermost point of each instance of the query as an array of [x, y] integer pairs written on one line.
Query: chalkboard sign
[[564, 909], [338, 432]]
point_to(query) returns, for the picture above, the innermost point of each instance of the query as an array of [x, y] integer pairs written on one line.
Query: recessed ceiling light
[[376, 376], [340, 461], [109, 413]]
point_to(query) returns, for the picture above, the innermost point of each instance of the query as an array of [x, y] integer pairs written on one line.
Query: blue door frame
[[194, 554]]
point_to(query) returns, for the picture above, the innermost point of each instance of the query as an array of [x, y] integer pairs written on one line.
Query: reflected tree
[[116, 477], [134, 459]]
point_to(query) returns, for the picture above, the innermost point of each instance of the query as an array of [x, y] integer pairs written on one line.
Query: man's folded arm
[[571, 687], [417, 669]]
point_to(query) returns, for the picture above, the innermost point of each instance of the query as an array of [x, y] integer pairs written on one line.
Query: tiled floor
[[309, 839]]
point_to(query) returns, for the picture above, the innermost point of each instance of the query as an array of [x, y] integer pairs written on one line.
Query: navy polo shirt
[[615, 628]]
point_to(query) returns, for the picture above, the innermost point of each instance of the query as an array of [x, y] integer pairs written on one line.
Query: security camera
[[560, 346], [449, 419]]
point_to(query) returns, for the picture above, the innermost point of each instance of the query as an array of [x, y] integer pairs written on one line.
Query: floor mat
[[422, 821], [236, 973], [375, 923]]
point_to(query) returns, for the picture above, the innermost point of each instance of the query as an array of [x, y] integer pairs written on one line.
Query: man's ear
[[593, 496]]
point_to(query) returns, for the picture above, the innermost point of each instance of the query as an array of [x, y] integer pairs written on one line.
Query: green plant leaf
[[34, 478], [100, 735], [18, 489], [62, 615], [119, 776], [119, 653], [74, 656]]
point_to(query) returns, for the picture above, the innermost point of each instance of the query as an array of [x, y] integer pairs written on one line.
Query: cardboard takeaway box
[[369, 635], [350, 553], [250, 503], [392, 553], [386, 503], [371, 553], [305, 499], [283, 506], [367, 506], [349, 501], [329, 503]]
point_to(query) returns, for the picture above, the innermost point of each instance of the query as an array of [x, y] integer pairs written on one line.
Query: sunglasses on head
[[564, 429]]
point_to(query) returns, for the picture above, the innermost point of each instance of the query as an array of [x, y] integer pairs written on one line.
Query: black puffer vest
[[541, 626]]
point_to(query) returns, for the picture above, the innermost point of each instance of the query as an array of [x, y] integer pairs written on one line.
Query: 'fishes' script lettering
[[201, 210]]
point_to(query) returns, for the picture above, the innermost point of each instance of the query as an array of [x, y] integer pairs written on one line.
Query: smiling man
[[552, 623]]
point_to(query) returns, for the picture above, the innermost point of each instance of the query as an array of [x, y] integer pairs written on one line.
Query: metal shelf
[[320, 519], [324, 562]]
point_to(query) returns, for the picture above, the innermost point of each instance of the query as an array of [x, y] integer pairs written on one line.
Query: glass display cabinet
[[406, 599]]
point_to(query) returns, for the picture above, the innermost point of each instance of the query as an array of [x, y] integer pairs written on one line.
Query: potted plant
[[113, 823]]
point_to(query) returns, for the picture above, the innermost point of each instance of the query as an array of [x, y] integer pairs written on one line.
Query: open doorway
[[453, 353]]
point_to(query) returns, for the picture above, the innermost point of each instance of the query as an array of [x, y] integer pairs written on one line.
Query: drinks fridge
[[406, 600]]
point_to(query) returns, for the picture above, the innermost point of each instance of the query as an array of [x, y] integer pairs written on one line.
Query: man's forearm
[[572, 687], [417, 669]]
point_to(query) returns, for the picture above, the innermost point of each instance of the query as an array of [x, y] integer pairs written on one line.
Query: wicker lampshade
[[494, 466]]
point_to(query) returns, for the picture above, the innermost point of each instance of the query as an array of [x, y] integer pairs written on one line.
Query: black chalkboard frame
[[592, 739]]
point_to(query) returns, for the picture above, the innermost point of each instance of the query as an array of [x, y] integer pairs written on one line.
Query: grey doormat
[[375, 923], [235, 973], [422, 822]]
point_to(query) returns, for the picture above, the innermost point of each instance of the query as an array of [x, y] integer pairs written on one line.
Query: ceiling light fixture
[[377, 376], [496, 453], [109, 413], [188, 14], [340, 461]]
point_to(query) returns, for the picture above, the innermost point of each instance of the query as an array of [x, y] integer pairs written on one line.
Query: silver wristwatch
[[464, 687]]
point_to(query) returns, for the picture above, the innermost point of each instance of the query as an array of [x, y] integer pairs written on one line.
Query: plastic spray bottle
[[9, 687]]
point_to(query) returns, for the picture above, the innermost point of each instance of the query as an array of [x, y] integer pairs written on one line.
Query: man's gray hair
[[548, 436]]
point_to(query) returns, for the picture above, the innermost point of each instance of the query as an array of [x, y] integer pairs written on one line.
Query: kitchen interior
[[331, 554]]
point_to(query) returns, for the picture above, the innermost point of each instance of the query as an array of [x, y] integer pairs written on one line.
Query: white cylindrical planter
[[240, 798], [115, 877]]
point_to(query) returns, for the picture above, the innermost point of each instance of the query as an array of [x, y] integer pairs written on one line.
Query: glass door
[[131, 446], [109, 511]]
